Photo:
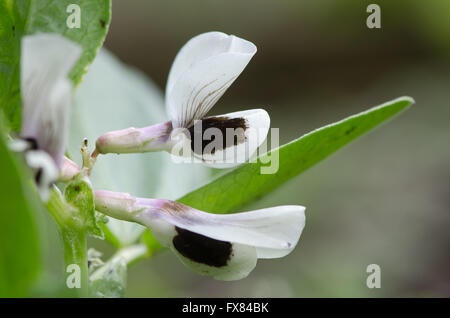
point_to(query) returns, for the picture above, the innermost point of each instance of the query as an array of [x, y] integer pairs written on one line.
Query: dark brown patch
[[77, 188], [38, 176], [235, 125], [172, 206], [165, 133], [202, 249], [33, 145], [13, 28], [350, 130], [102, 23]]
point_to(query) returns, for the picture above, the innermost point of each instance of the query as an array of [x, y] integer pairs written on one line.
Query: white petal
[[273, 231], [223, 151], [202, 71], [44, 169], [240, 264], [221, 259], [19, 145], [45, 65]]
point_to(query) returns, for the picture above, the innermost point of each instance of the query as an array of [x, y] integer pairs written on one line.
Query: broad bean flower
[[201, 73], [223, 246]]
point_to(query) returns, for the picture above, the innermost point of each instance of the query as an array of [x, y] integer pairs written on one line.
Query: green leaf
[[246, 183], [19, 216], [114, 96], [24, 17]]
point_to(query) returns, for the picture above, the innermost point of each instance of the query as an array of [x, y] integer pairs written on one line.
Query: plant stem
[[75, 252]]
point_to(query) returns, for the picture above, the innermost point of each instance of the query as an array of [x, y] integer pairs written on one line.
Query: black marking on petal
[[202, 249], [32, 142], [235, 126], [38, 176]]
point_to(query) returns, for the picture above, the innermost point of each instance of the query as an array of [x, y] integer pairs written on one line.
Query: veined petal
[[275, 230], [46, 61], [231, 139], [202, 71]]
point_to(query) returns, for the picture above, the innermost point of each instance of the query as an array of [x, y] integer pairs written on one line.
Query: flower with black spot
[[223, 246], [202, 71]]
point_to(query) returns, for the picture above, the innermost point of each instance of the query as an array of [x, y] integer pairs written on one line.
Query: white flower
[[201, 73], [223, 246], [46, 61]]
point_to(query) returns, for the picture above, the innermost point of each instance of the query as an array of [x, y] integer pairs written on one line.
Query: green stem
[[75, 252], [74, 240]]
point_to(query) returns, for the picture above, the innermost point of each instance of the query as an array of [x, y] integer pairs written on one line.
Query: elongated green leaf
[[23, 17], [20, 244], [246, 183]]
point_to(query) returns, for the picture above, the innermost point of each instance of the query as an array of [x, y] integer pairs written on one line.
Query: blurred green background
[[384, 199]]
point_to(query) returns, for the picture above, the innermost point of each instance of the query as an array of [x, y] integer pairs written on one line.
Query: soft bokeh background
[[384, 199]]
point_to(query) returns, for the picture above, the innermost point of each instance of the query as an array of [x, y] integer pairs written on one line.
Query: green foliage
[[24, 17], [246, 183], [20, 243]]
